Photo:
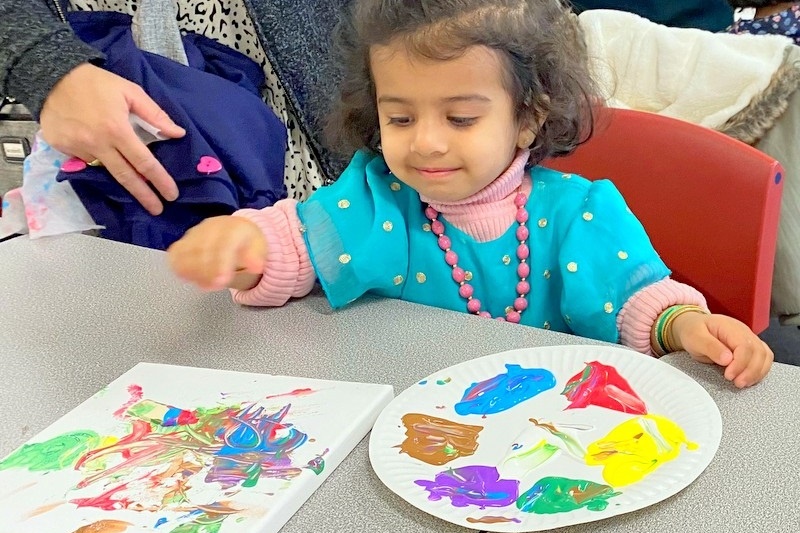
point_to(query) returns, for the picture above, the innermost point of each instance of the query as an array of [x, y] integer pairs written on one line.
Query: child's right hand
[[220, 252]]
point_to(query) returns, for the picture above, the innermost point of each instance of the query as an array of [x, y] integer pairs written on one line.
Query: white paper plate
[[665, 391]]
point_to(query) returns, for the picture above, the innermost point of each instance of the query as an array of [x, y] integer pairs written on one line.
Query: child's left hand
[[727, 342]]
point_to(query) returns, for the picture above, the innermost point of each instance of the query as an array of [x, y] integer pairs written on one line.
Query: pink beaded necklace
[[465, 290]]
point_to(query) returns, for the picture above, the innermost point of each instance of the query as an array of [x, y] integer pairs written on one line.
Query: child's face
[[448, 128]]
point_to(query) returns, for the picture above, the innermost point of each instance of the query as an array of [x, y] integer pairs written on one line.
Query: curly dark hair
[[539, 41]]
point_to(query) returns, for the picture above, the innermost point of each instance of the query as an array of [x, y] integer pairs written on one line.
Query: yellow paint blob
[[635, 448]]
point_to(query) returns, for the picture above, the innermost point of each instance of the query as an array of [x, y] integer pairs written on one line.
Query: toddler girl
[[451, 106]]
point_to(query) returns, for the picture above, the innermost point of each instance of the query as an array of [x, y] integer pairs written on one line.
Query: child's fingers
[[744, 352], [756, 358], [710, 348]]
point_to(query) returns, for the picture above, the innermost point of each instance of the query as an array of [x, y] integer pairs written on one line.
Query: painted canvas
[[172, 449], [540, 438]]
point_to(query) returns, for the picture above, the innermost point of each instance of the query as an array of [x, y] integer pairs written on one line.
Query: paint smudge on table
[[636, 447], [553, 494], [437, 441], [167, 453], [601, 385], [504, 391], [472, 485]]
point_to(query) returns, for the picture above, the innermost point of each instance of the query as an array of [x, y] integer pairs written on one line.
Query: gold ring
[[95, 163]]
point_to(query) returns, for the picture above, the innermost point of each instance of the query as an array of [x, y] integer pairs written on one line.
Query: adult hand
[[220, 252], [86, 115], [727, 342]]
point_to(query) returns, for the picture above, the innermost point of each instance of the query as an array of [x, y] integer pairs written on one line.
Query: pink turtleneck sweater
[[485, 216]]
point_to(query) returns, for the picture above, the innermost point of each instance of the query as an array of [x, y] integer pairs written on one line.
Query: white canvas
[[244, 453]]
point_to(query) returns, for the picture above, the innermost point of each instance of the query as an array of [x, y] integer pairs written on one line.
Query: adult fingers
[[150, 112], [131, 180], [144, 162]]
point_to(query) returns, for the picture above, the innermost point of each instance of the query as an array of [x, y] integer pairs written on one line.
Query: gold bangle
[[668, 323]]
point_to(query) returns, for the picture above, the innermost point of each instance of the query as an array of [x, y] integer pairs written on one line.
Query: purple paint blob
[[504, 391], [472, 485]]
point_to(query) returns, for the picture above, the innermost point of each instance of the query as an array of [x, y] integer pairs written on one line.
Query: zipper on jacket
[[60, 11]]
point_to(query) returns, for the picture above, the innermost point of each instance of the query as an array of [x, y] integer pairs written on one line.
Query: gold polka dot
[[546, 324], [572, 266], [587, 216], [344, 204], [609, 307], [395, 186], [302, 228], [542, 222], [509, 309], [622, 254], [506, 259], [387, 226], [426, 227], [468, 275], [566, 176], [398, 280], [344, 259], [546, 274], [421, 277]]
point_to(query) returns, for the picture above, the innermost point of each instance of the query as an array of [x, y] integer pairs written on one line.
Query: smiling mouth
[[436, 172]]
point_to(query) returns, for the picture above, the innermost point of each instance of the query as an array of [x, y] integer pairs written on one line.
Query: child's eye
[[462, 121], [399, 121]]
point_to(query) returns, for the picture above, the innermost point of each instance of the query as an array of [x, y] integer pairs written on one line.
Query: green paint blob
[[317, 465], [253, 472], [204, 523], [54, 454], [194, 527], [552, 495]]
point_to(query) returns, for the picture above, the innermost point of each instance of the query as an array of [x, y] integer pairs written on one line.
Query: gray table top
[[77, 311]]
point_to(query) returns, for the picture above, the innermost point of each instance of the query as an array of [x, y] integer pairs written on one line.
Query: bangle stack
[[664, 343]]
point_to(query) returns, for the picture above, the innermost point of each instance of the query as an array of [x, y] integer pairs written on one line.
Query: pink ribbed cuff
[[636, 319], [288, 272]]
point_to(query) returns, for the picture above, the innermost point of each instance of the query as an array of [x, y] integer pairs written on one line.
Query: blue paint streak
[[504, 391], [161, 522]]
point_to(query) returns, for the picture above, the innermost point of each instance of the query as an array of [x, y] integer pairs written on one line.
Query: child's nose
[[429, 139]]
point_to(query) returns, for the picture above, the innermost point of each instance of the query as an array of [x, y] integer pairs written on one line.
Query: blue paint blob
[[504, 391], [161, 522], [778, 178]]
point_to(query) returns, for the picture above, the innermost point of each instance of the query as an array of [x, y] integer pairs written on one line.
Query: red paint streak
[[603, 386], [105, 501], [296, 392], [136, 394], [187, 417]]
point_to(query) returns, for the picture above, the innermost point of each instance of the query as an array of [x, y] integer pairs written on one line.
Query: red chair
[[709, 203]]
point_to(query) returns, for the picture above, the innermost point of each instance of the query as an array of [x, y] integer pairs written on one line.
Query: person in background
[[83, 110], [452, 106], [769, 18], [711, 15]]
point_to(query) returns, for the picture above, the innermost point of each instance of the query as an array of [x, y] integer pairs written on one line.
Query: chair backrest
[[709, 203]]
